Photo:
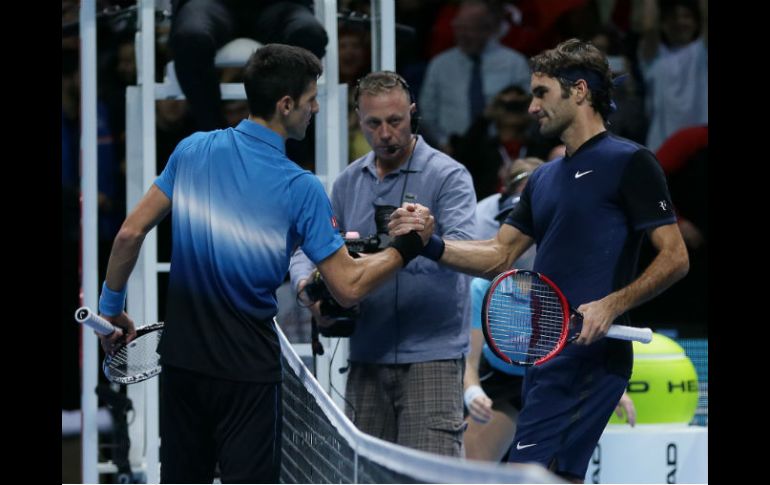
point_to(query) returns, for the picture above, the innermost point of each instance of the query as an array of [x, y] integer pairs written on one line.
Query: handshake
[[412, 217], [411, 228]]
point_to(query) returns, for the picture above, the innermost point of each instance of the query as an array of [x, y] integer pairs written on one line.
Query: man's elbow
[[129, 236], [349, 297], [681, 264]]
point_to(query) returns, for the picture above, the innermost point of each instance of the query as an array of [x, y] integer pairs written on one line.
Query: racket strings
[[525, 318], [138, 357]]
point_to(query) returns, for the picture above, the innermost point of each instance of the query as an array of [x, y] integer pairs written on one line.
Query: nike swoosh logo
[[579, 174], [519, 446]]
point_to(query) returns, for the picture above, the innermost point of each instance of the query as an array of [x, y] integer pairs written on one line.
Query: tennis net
[[321, 445]]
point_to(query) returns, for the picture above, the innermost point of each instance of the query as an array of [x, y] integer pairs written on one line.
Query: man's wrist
[[111, 303], [434, 249], [408, 246], [472, 393]]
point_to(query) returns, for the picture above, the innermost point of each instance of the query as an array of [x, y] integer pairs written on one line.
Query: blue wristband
[[434, 249], [111, 303]]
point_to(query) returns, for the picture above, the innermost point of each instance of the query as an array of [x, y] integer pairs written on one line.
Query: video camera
[[345, 318]]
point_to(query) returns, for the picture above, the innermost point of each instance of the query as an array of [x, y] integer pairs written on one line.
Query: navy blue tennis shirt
[[588, 214], [239, 209]]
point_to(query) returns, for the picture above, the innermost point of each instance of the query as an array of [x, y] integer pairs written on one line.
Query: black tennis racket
[[526, 319], [130, 363]]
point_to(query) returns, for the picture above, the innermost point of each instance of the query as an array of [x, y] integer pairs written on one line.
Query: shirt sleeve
[[300, 268], [315, 222], [644, 192], [165, 180], [456, 210]]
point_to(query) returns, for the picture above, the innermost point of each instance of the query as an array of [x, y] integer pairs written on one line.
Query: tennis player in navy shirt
[[240, 207], [588, 213]]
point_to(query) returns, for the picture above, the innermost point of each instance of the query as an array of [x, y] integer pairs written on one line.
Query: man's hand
[[597, 318], [314, 307], [124, 332], [626, 405], [412, 217], [481, 409]]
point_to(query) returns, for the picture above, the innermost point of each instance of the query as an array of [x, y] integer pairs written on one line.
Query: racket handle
[[85, 316], [623, 332]]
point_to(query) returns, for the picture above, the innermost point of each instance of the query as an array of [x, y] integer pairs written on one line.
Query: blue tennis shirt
[[588, 214], [240, 208]]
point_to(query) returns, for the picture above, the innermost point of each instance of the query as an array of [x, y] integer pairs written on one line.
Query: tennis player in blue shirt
[[240, 207]]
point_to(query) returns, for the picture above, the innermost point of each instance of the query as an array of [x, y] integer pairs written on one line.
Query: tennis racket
[[130, 363], [526, 319]]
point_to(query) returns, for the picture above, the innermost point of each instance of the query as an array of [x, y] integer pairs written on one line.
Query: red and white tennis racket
[[527, 320], [130, 363]]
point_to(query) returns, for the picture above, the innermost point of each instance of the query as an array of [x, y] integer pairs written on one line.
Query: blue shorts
[[567, 404]]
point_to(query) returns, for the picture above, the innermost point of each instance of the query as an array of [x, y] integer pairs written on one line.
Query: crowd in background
[[662, 103]]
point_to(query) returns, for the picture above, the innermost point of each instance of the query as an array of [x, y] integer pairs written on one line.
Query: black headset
[[415, 117]]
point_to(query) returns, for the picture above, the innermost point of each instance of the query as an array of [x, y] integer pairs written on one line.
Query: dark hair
[[575, 59], [515, 89], [668, 8], [275, 71], [521, 103]]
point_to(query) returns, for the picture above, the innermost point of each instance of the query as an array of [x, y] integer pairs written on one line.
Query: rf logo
[[662, 204]]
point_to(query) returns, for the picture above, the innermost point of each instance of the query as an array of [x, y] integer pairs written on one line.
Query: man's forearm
[[125, 250], [123, 257], [350, 280], [667, 268], [487, 258], [478, 258]]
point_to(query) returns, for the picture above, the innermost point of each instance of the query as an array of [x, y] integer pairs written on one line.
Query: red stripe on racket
[[527, 320]]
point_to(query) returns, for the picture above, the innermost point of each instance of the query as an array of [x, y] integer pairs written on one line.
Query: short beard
[[553, 130]]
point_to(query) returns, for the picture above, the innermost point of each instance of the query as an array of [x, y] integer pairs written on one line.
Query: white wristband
[[472, 393]]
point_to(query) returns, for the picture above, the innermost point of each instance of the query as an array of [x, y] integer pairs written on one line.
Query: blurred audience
[[460, 82], [673, 53]]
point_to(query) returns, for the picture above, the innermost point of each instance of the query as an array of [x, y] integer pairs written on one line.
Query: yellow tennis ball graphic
[[663, 384]]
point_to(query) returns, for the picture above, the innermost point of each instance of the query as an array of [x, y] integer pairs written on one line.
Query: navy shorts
[[567, 404], [204, 420]]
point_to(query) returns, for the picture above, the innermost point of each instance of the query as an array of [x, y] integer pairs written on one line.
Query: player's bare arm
[[478, 258], [669, 266], [125, 250], [349, 279]]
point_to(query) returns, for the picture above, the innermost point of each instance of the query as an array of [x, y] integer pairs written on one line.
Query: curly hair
[[575, 59]]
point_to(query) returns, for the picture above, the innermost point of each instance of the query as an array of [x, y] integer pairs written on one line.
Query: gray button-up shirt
[[422, 313]]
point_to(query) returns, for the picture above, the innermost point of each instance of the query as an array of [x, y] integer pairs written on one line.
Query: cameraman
[[407, 353]]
